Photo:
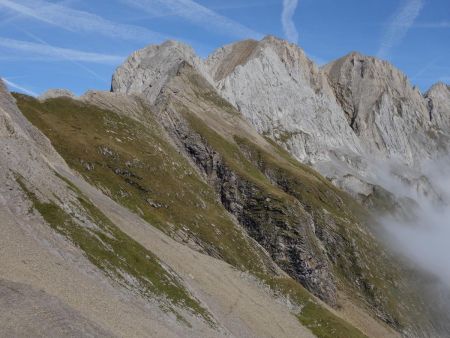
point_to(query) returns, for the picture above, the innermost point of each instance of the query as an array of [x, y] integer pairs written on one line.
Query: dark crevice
[[430, 109]]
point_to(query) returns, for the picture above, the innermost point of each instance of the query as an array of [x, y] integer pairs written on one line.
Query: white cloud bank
[[424, 237]]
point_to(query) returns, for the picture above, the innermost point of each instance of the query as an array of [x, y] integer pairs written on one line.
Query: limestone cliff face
[[283, 95], [147, 70], [353, 120], [391, 118], [356, 105]]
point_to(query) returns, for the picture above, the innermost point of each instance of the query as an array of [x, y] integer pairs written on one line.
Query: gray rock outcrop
[[284, 95], [356, 120], [438, 98], [147, 70], [55, 93], [390, 117], [339, 118]]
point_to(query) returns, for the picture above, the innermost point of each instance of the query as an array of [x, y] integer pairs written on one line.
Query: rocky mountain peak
[[439, 87], [228, 59], [147, 70], [382, 107], [438, 99], [55, 93], [225, 60], [358, 72], [352, 107], [284, 95]]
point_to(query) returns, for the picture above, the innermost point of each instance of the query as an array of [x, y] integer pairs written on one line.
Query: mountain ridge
[[288, 59], [211, 159]]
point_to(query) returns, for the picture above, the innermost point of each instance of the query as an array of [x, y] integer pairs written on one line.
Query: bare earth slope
[[50, 242], [25, 311]]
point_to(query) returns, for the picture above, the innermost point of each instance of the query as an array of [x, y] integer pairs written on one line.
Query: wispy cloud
[[79, 21], [399, 26], [13, 85], [196, 14], [290, 31], [66, 57], [441, 24], [57, 53]]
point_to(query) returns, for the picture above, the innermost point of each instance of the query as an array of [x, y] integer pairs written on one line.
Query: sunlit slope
[[135, 164], [313, 231]]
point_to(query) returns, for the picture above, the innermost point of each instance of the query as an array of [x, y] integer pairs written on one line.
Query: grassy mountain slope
[[316, 233], [137, 167], [133, 163], [115, 253]]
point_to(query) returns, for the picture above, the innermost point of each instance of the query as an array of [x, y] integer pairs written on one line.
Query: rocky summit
[[232, 196]]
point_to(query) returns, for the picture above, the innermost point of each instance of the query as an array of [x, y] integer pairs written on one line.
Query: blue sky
[[77, 44]]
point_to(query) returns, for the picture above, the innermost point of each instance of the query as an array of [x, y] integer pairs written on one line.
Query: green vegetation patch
[[116, 254], [322, 322], [341, 224], [136, 166]]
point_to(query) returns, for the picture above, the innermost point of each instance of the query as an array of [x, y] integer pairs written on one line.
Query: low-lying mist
[[422, 235]]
